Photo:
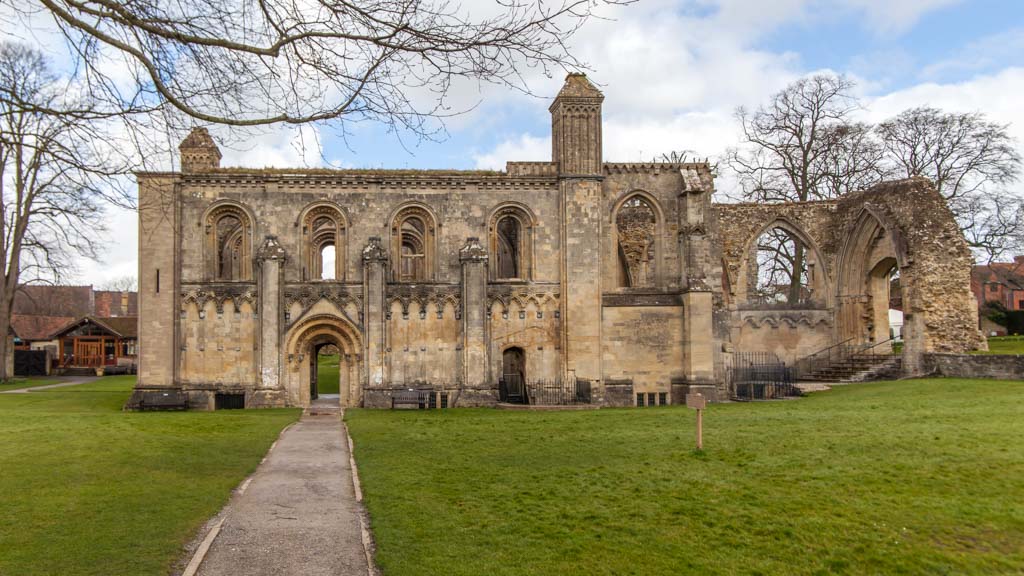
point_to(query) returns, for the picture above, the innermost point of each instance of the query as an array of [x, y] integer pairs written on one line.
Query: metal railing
[[835, 354], [760, 376], [556, 392]]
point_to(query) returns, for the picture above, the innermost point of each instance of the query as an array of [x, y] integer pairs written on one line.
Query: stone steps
[[863, 368]]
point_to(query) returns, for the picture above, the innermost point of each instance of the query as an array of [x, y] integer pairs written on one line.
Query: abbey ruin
[[625, 276]]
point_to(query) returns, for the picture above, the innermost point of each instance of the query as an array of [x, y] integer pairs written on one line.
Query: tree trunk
[[795, 286], [5, 340]]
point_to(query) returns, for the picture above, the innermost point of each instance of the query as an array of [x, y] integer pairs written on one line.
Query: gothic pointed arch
[[323, 226], [414, 230], [873, 253], [637, 224], [228, 238], [798, 248], [510, 238]]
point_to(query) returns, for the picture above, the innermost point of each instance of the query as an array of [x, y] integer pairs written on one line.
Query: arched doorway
[[880, 288], [868, 286], [513, 376], [319, 333]]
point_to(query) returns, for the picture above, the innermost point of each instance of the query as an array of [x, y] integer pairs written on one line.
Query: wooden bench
[[410, 399], [169, 400]]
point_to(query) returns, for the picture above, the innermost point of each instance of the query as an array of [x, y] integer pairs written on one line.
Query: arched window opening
[[781, 272], [510, 244], [413, 266], [636, 223], [327, 257], [508, 248], [228, 256], [324, 230]]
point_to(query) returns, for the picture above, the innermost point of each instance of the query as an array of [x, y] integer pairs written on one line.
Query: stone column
[[375, 266], [581, 281], [475, 363], [270, 259], [699, 339], [576, 150]]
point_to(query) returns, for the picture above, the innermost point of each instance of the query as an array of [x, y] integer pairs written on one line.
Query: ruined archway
[[302, 343], [871, 256], [810, 283]]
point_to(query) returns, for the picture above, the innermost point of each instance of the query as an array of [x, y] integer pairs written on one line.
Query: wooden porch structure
[[92, 342]]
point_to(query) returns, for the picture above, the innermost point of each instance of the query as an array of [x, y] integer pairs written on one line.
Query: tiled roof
[[35, 328], [66, 301], [1009, 273], [123, 326]]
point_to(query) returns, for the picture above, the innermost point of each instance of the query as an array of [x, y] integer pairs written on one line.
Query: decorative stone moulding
[[271, 250], [374, 251], [473, 251]]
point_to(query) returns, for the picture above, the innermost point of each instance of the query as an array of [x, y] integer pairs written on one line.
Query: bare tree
[[971, 160], [56, 174], [262, 62], [122, 284], [803, 145], [796, 147]]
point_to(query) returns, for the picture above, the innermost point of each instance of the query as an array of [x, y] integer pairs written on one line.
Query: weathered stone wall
[[789, 334], [461, 204], [852, 243], [669, 329], [935, 261], [999, 366], [643, 344]]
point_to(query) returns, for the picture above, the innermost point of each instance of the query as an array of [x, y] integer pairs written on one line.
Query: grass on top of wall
[[1004, 345], [90, 490], [913, 477]]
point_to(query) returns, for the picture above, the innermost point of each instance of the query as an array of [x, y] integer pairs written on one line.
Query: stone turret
[[576, 128], [199, 153]]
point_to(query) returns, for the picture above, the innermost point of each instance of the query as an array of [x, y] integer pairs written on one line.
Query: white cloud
[[895, 16], [522, 148], [996, 95], [980, 55]]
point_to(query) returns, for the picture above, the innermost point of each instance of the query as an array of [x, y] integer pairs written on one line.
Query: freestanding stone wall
[[621, 275], [850, 242]]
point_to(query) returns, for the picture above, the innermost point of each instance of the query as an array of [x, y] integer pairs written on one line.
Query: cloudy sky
[[673, 72]]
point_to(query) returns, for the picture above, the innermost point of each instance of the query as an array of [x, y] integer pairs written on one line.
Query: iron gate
[[760, 376]]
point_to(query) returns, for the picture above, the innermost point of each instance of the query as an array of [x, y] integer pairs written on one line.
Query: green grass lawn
[[33, 382], [915, 477], [89, 489], [1004, 345], [327, 374]]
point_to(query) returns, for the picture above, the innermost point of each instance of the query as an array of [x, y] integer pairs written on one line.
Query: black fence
[[760, 376], [30, 362], [544, 392]]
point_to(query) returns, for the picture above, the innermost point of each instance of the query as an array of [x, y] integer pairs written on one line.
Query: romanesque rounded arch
[[414, 229], [228, 241], [322, 224], [819, 278], [302, 341], [637, 231], [510, 232]]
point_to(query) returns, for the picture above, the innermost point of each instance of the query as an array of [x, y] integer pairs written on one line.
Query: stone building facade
[[621, 275]]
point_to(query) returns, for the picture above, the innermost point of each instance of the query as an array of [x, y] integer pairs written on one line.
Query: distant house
[[94, 342], [34, 332], [1001, 282], [42, 314]]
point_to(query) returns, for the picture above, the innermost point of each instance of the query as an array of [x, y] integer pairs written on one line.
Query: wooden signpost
[[698, 403]]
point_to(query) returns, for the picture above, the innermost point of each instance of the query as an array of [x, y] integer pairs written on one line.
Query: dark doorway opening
[[512, 387]]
